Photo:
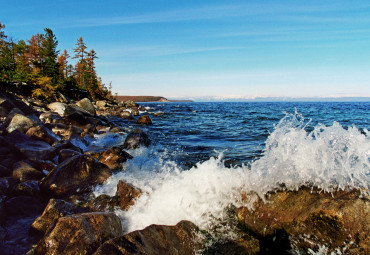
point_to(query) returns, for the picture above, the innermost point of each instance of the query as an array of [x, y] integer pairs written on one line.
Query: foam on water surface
[[329, 157]]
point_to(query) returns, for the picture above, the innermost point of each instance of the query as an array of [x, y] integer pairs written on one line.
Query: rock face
[[76, 175], [55, 209], [126, 194], [87, 106], [306, 219], [144, 120], [80, 233], [155, 239], [135, 139]]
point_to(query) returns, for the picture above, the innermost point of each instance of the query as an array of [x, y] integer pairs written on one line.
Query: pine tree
[[49, 55], [80, 54]]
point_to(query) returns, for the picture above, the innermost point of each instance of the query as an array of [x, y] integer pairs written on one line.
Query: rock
[[87, 106], [144, 120], [61, 108], [308, 219], [127, 194], [63, 98], [66, 131], [101, 104], [126, 115], [21, 123], [25, 172], [158, 113], [55, 209], [6, 105], [80, 233], [114, 157], [103, 203], [135, 139], [50, 117], [155, 239], [43, 134], [28, 188], [7, 184], [34, 150], [130, 104], [67, 154], [4, 171], [23, 205], [116, 130], [76, 175], [135, 112]]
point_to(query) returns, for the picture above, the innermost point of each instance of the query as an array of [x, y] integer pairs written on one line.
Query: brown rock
[[55, 209], [126, 115], [80, 233], [114, 157], [155, 239], [127, 193], [307, 219], [50, 117], [76, 175], [144, 120], [103, 203], [23, 171], [41, 133], [87, 106], [66, 154], [135, 139], [28, 188], [135, 112]]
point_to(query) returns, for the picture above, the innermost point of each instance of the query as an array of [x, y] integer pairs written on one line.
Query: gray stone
[[87, 106]]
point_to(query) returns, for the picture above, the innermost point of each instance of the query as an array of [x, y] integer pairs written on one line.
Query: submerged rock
[[135, 139], [80, 233], [306, 219], [76, 175], [155, 239]]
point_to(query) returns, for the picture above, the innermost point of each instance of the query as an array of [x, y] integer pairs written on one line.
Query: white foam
[[329, 157]]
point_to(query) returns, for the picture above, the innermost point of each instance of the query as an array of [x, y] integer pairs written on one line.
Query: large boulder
[[55, 209], [155, 239], [136, 139], [80, 233], [87, 106], [114, 157], [309, 219], [130, 104], [76, 175], [21, 123], [23, 171], [127, 193], [42, 133]]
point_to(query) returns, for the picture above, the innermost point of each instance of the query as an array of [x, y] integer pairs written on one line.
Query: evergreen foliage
[[39, 63]]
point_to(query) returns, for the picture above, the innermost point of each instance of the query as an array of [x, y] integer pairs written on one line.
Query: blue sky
[[212, 48]]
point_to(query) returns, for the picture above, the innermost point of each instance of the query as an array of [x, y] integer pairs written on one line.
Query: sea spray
[[329, 157]]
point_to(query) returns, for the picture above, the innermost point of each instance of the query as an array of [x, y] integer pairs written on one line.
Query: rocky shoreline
[[47, 205]]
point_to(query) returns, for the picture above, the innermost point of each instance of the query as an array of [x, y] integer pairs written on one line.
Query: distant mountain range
[[149, 99]]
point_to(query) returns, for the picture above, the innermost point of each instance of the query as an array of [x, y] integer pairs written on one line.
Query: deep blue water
[[193, 132]]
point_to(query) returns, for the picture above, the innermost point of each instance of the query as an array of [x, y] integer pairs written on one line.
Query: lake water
[[205, 155]]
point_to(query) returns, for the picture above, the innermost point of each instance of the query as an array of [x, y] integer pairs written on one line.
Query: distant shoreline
[[146, 99]]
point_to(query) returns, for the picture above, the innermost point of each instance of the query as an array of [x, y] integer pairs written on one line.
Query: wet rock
[[28, 188], [135, 139], [306, 219], [41, 133], [116, 130], [67, 154], [50, 117], [87, 106], [66, 145], [21, 123], [144, 120], [114, 157], [155, 239], [7, 184], [127, 193], [23, 171], [80, 233], [4, 171], [55, 209], [126, 115], [34, 150], [103, 203], [61, 108], [76, 175], [23, 205], [66, 131], [135, 112]]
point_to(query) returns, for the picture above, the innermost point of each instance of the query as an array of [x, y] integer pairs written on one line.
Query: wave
[[329, 157]]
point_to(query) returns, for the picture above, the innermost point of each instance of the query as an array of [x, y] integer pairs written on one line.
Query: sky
[[219, 49]]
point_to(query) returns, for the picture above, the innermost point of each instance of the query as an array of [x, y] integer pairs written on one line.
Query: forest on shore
[[38, 63]]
